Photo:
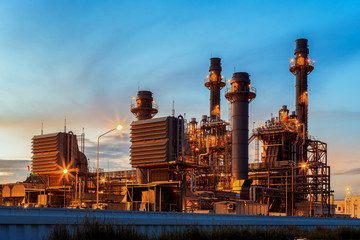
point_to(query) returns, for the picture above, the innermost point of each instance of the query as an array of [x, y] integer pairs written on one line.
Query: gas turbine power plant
[[198, 165]]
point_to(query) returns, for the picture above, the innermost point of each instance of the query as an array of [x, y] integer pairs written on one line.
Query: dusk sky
[[84, 60]]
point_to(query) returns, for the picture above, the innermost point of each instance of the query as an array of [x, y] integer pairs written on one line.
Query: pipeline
[[207, 149], [180, 124]]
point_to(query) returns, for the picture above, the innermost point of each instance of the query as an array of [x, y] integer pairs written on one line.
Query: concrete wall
[[34, 223]]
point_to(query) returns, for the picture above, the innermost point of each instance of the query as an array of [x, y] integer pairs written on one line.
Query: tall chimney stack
[[144, 108], [301, 66], [240, 95], [215, 83]]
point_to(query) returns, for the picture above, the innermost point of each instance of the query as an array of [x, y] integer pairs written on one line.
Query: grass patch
[[91, 230]]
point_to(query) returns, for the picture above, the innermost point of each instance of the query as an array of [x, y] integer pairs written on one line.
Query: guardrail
[[240, 89], [153, 105], [36, 223]]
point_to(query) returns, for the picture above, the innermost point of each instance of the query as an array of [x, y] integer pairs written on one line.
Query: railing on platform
[[36, 223]]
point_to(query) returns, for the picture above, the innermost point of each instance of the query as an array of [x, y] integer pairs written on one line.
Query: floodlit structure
[[239, 95], [291, 158], [203, 165], [211, 159]]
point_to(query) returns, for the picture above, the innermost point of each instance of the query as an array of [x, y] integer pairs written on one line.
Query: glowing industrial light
[[26, 206], [304, 165], [65, 171], [119, 127], [196, 149], [103, 179]]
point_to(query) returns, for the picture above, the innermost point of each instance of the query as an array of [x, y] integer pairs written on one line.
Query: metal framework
[[284, 168]]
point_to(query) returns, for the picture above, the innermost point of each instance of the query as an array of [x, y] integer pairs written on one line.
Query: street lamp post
[[65, 171], [292, 190], [119, 127], [293, 164]]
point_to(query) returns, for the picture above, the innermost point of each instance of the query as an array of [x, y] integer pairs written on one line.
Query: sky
[[84, 60]]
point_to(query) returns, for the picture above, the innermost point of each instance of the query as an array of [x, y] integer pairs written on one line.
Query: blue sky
[[86, 59]]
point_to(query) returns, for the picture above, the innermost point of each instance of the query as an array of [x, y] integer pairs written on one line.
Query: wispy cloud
[[354, 171], [114, 151], [13, 170]]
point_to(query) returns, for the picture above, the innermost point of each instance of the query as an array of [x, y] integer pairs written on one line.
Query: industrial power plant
[[196, 165]]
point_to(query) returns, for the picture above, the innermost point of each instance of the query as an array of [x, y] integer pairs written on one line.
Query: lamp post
[[293, 164], [65, 171], [119, 127], [292, 189]]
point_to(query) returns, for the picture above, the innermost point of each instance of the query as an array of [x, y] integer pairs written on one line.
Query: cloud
[[6, 173], [13, 170], [114, 152], [354, 171]]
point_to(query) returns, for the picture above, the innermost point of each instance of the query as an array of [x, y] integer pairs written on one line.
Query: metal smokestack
[[301, 66], [145, 107], [240, 95], [215, 83]]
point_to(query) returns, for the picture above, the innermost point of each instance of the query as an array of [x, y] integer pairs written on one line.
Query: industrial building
[[349, 207], [196, 165]]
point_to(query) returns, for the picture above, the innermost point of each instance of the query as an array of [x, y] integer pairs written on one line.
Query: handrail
[[153, 106], [207, 79], [240, 89], [308, 63]]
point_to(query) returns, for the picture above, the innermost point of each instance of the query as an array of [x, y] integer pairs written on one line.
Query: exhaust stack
[[301, 66], [144, 108], [240, 95], [214, 82]]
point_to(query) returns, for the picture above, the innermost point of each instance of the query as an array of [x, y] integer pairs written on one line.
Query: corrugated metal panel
[[52, 152], [153, 140], [272, 153], [46, 152]]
